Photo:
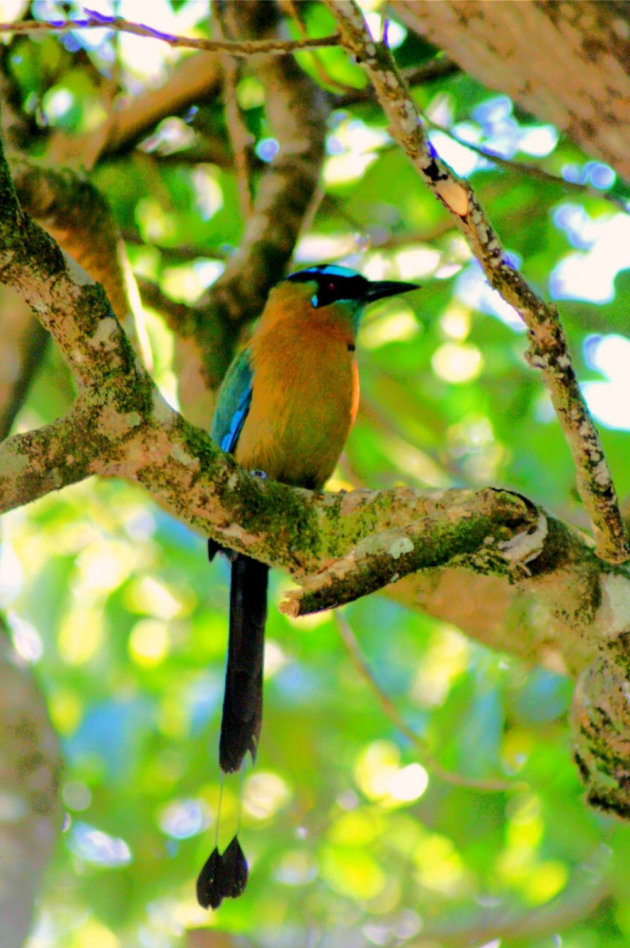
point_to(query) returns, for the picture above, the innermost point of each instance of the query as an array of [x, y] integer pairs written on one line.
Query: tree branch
[[448, 527], [298, 113], [548, 346], [96, 20], [195, 77], [441, 67], [77, 215]]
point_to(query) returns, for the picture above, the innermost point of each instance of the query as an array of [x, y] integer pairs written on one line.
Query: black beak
[[379, 289]]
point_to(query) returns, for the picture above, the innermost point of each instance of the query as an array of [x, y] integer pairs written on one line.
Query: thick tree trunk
[[567, 63]]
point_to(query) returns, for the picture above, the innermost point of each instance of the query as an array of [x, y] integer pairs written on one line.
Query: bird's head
[[329, 283]]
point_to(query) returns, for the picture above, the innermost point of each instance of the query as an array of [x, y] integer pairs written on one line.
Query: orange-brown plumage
[[305, 389]]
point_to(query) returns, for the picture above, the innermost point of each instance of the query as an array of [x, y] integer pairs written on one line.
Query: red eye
[[331, 287]]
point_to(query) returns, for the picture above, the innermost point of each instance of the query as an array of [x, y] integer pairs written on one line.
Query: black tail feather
[[242, 703], [213, 549]]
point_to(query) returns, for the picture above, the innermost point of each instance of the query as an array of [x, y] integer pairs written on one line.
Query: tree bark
[[565, 62]]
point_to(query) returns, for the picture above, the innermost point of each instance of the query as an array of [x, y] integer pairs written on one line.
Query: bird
[[285, 409]]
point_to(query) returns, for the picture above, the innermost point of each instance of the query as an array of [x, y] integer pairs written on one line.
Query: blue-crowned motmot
[[285, 408]]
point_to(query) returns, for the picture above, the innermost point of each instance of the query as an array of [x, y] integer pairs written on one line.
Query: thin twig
[[240, 138], [182, 252], [530, 170], [291, 10], [176, 315], [95, 20], [485, 784], [548, 346], [439, 68]]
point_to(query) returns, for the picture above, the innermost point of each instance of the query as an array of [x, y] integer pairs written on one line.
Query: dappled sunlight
[[394, 327], [183, 818], [296, 868], [148, 642], [93, 845], [26, 640], [439, 866], [457, 363], [445, 659], [275, 658], [609, 400], [81, 634], [77, 796], [264, 794], [456, 322], [590, 274], [408, 783], [11, 574], [148, 594], [380, 777], [474, 291]]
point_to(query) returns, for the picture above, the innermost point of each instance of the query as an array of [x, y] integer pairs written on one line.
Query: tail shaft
[[242, 703]]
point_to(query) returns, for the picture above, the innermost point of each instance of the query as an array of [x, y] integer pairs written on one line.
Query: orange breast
[[304, 400]]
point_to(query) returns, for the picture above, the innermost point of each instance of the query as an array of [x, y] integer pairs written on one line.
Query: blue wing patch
[[228, 441], [234, 399]]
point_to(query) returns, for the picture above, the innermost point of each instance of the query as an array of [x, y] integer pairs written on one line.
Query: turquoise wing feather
[[233, 401]]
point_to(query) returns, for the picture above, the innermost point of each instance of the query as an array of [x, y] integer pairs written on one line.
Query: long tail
[[242, 703]]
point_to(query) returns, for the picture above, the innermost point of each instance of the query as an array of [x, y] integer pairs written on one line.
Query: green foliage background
[[126, 621]]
